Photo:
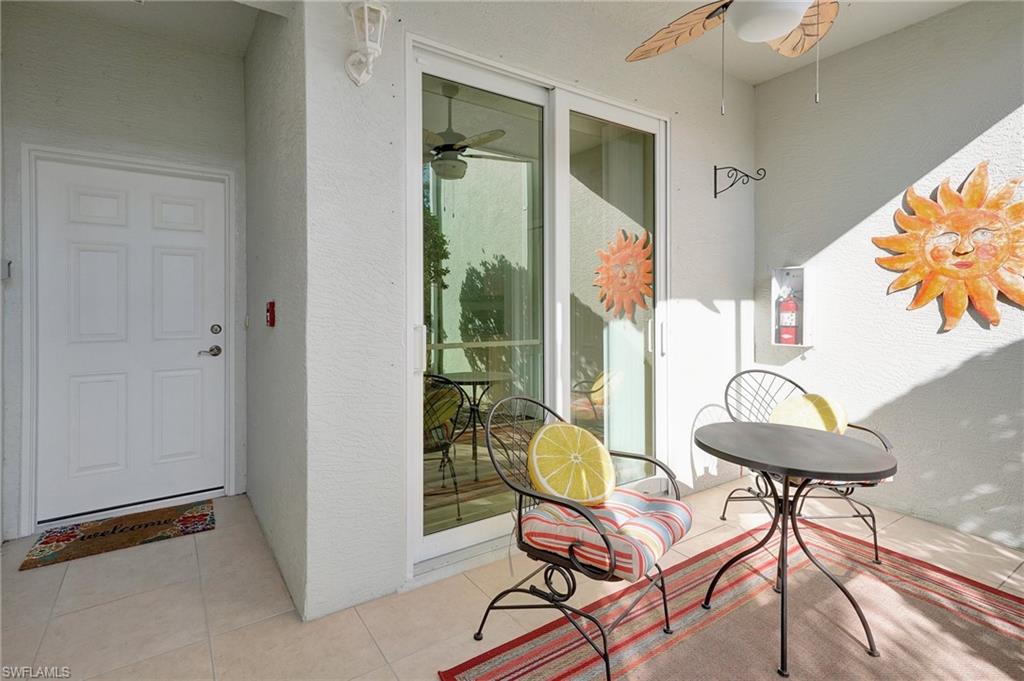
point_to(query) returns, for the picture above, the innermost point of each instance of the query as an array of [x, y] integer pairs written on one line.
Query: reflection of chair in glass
[[623, 538], [444, 404], [588, 399], [751, 396]]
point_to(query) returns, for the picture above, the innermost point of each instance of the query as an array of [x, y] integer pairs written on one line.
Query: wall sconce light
[[369, 20]]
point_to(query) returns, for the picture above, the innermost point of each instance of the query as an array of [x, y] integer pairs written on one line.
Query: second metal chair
[[751, 396]]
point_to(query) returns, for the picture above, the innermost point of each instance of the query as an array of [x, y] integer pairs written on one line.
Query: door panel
[[98, 292], [612, 284], [98, 424], [483, 284], [177, 293], [130, 276], [177, 415]]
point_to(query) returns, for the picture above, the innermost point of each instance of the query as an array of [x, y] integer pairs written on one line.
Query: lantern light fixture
[[369, 19]]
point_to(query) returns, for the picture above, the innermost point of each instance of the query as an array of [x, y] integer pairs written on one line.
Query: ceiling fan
[[445, 150], [790, 27]]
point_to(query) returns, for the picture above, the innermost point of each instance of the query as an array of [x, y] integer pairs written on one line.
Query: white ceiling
[[226, 27], [218, 26], [859, 21]]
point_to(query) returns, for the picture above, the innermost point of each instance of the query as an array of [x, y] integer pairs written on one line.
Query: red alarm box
[[271, 313]]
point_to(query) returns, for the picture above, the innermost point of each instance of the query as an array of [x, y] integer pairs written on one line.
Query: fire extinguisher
[[786, 313]]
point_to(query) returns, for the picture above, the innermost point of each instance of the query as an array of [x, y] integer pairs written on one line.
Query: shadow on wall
[[898, 141], [846, 251], [587, 348], [704, 466], [928, 101], [953, 444]]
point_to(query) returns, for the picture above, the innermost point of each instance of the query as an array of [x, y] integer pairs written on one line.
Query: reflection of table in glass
[[477, 380], [778, 453]]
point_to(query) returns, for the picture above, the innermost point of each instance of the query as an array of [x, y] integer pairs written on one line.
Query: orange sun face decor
[[967, 246], [626, 274]]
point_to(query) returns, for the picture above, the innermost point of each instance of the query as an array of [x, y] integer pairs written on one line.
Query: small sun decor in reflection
[[966, 246], [626, 274]]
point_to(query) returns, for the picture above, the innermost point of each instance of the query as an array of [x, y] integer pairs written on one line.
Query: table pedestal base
[[785, 514]]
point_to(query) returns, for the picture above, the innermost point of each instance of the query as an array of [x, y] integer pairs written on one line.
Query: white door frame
[[426, 55], [31, 155]]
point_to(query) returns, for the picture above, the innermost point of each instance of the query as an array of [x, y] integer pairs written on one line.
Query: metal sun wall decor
[[734, 175], [626, 274], [967, 246]]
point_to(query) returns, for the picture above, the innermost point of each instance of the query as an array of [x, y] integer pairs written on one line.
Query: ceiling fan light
[[760, 21], [449, 168]]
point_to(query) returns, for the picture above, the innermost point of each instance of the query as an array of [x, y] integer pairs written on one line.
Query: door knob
[[213, 351]]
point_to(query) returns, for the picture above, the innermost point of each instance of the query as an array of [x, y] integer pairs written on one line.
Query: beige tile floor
[[213, 606]]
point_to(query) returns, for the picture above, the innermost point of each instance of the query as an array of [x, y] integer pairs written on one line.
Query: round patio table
[[779, 454], [477, 380]]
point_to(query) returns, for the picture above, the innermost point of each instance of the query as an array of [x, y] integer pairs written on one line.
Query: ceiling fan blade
[[688, 27], [503, 154], [817, 21], [431, 139], [481, 139], [490, 157]]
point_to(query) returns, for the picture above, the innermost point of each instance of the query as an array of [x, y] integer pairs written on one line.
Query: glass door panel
[[611, 287], [483, 286]]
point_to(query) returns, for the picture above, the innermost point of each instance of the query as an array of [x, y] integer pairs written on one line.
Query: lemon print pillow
[[567, 461], [811, 411]]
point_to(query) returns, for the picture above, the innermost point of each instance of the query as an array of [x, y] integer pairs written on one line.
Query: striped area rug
[[928, 623]]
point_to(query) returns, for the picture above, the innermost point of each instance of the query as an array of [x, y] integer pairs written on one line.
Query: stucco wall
[[913, 107], [276, 225], [71, 81], [357, 330]]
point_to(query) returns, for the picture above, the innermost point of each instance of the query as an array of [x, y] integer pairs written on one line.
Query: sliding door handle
[[419, 360]]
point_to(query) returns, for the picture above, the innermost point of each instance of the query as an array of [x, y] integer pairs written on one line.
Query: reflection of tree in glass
[[435, 253], [486, 295], [495, 305]]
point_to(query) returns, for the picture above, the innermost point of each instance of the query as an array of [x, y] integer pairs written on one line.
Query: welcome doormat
[[59, 544]]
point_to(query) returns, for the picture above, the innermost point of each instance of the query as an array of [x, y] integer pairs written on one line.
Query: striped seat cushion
[[641, 529], [585, 409]]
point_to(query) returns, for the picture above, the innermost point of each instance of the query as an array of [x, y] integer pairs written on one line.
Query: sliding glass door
[[612, 285], [483, 286], [537, 233]]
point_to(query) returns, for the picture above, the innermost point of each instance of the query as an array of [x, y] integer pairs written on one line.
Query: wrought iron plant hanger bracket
[[735, 175]]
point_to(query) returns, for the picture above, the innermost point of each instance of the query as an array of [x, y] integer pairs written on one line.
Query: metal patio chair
[[444, 402], [510, 425], [751, 396]]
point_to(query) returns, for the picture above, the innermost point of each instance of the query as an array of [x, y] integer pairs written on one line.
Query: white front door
[[130, 276]]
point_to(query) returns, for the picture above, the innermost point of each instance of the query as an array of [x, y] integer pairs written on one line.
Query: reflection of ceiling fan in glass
[[445, 150]]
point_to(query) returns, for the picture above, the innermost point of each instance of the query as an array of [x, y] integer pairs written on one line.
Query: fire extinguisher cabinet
[[790, 308]]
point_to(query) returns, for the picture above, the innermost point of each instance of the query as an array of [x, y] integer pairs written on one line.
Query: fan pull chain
[[817, 55], [723, 67]]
